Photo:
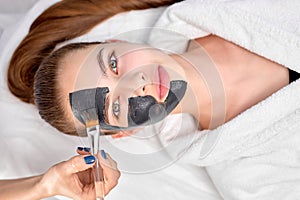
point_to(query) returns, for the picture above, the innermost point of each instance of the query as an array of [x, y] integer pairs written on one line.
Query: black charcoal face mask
[[142, 110]]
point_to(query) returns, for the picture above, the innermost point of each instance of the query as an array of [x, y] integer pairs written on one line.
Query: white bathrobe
[[254, 156], [257, 154]]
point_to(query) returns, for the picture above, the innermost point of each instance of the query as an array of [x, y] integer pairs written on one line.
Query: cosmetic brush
[[83, 107]]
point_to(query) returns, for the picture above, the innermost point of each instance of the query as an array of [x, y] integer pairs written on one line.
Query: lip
[[162, 82]]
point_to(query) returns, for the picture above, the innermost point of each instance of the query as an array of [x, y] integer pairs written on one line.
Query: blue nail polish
[[89, 159], [86, 149], [103, 154]]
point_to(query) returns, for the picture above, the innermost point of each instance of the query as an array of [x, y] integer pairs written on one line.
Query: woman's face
[[128, 70]]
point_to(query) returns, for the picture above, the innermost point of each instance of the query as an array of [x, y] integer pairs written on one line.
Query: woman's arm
[[72, 178], [25, 188]]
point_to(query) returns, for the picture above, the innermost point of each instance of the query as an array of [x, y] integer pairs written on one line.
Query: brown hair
[[47, 94], [62, 21]]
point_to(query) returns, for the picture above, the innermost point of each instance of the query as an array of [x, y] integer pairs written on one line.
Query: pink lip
[[162, 82]]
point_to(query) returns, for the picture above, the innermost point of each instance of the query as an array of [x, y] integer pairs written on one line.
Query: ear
[[121, 134]]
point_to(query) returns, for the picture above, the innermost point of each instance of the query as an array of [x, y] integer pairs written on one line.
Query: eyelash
[[116, 103], [113, 63]]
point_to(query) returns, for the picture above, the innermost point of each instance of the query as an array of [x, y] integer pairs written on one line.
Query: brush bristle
[[83, 106]]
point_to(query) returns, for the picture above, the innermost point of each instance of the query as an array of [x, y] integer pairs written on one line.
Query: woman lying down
[[218, 77]]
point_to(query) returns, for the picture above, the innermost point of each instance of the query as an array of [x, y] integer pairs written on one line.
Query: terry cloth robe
[[256, 155]]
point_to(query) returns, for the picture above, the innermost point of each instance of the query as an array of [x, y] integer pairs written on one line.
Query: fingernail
[[103, 154], [86, 149], [89, 159]]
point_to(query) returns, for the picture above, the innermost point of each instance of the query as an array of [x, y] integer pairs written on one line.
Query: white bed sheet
[[30, 146]]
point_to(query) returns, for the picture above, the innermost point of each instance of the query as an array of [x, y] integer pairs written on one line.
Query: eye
[[116, 108], [113, 63]]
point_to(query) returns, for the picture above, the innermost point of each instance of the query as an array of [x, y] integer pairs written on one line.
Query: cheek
[[135, 60]]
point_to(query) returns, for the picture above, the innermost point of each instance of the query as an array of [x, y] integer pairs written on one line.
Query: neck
[[225, 80], [205, 97]]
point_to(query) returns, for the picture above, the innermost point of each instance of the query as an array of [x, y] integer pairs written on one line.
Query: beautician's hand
[[74, 179]]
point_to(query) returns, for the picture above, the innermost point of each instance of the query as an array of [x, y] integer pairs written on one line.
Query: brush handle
[[98, 180], [94, 139]]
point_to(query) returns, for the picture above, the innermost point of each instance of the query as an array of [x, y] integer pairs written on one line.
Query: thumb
[[79, 163]]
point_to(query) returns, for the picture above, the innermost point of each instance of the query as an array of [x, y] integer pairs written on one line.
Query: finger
[[83, 150], [122, 134], [107, 162], [110, 171], [79, 163]]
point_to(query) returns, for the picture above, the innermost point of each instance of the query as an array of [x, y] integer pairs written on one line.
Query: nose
[[141, 85], [133, 85], [141, 91]]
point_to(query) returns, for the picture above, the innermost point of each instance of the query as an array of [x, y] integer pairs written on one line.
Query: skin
[[246, 78], [71, 178]]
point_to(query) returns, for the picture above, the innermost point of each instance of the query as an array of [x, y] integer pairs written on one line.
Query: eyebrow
[[101, 62]]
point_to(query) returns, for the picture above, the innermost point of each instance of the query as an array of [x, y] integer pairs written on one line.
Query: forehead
[[87, 71], [69, 69], [79, 67]]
